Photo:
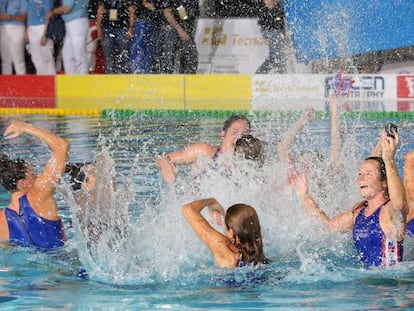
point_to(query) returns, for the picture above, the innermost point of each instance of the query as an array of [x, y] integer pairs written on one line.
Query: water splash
[[125, 237]]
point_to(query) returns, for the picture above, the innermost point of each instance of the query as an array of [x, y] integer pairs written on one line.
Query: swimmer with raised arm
[[234, 127], [99, 206], [31, 218], [408, 181], [377, 223], [307, 116], [242, 242]]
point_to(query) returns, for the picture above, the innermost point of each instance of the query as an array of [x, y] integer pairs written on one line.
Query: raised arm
[[377, 150], [214, 240], [290, 134], [343, 222], [409, 182], [335, 151], [394, 225], [47, 180]]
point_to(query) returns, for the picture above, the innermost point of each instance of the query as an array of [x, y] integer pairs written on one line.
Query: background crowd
[[140, 36], [131, 36]]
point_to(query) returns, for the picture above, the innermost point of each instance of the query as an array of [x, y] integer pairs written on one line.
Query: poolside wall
[[90, 94]]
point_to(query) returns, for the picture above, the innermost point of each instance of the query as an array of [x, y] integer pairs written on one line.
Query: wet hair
[[233, 118], [250, 147], [243, 220], [381, 166], [76, 174], [11, 171]]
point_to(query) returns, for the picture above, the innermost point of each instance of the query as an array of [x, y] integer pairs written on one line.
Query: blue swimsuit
[[29, 229], [410, 228], [373, 246]]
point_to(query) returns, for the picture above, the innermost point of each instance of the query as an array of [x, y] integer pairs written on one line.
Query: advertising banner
[[405, 92], [230, 46], [296, 92]]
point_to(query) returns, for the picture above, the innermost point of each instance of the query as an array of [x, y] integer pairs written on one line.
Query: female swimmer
[[242, 242], [377, 223]]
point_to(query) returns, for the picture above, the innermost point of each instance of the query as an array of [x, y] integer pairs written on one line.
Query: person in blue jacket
[[31, 218]]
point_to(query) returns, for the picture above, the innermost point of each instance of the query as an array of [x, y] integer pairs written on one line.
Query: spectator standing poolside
[[41, 48], [272, 26], [13, 16], [178, 32], [74, 54], [146, 43], [115, 23]]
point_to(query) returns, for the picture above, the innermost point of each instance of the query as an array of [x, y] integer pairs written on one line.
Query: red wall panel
[[27, 91]]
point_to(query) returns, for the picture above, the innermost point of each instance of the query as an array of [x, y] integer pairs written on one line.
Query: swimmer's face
[[236, 130], [369, 180]]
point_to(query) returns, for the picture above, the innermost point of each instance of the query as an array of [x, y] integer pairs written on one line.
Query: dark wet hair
[[243, 220], [76, 174], [11, 171], [251, 147], [381, 166], [233, 118]]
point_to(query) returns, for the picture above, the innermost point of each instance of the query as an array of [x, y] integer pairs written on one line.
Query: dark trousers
[[277, 55], [173, 49], [116, 47]]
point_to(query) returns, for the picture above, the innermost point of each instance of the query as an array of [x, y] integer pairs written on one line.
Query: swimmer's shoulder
[[4, 227], [202, 149]]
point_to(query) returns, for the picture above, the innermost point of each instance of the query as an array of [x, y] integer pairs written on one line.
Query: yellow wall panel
[[120, 91], [218, 92], [206, 92]]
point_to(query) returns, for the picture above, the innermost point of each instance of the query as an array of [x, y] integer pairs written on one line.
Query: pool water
[[161, 264]]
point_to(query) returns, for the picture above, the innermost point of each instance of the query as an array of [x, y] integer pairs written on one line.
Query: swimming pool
[[164, 265]]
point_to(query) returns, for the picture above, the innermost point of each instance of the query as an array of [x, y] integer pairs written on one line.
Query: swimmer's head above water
[[12, 171], [250, 148], [77, 174]]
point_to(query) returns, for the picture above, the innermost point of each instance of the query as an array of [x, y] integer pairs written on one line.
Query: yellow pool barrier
[[143, 92], [50, 111]]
